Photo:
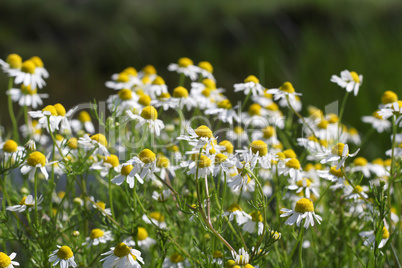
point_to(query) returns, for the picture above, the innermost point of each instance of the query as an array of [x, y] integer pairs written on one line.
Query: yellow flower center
[[358, 189], [122, 250], [376, 115], [84, 117], [256, 216], [14, 60], [144, 100], [355, 77], [254, 109], [28, 67], [147, 156], [100, 138], [217, 254], [203, 132], [209, 83], [378, 161], [238, 130], [300, 182], [27, 90], [37, 61], [162, 162], [125, 94], [234, 207], [112, 159], [268, 132], [72, 143], [123, 77], [176, 258], [206, 66], [10, 146], [230, 264], [101, 204], [289, 153], [389, 97], [180, 92], [142, 234], [36, 158], [157, 216], [251, 78], [281, 155], [360, 161], [60, 109], [220, 158], [96, 233], [131, 71], [51, 109], [260, 147], [149, 69], [158, 81], [65, 253], [333, 118], [323, 124], [164, 95], [304, 205], [385, 233], [336, 172], [22, 202], [228, 146], [149, 113], [293, 163], [204, 161], [125, 170], [184, 62], [225, 104], [287, 87], [242, 260], [206, 92], [272, 107], [338, 149], [5, 261]]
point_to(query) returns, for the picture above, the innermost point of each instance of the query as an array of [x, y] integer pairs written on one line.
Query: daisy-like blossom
[[340, 152], [370, 235], [224, 112], [106, 164], [255, 221], [353, 136], [97, 142], [40, 67], [26, 96], [293, 169], [12, 62], [155, 218], [125, 170], [235, 211], [124, 100], [350, 81], [377, 122], [175, 261], [377, 167], [163, 196], [355, 193], [239, 176], [35, 160], [63, 117], [47, 113], [222, 163], [27, 202], [242, 258], [143, 239], [203, 164], [10, 149], [122, 256], [304, 209], [198, 137], [63, 256], [7, 261], [165, 101], [217, 257], [83, 122], [148, 117], [237, 135], [143, 165], [28, 75], [286, 91], [264, 99], [251, 86], [180, 94], [361, 164], [333, 175], [205, 69], [126, 79], [165, 168], [96, 237], [275, 116], [156, 88], [255, 116], [185, 66], [101, 206], [304, 185]]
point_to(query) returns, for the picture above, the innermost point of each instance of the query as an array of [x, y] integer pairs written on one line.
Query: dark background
[[83, 42]]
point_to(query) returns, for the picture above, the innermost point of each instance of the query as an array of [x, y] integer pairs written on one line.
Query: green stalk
[[11, 112], [36, 197], [341, 113], [111, 194], [245, 101], [301, 234]]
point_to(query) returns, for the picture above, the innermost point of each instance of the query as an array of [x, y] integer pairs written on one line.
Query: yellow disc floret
[[268, 132], [112, 160], [51, 109], [336, 172], [84, 117], [147, 156], [256, 216], [209, 83], [142, 234], [204, 161], [360, 161], [304, 205], [228, 146], [355, 77], [122, 250], [10, 146], [220, 158], [289, 153], [99, 138], [14, 60], [27, 90], [149, 69], [162, 162], [224, 104], [36, 158], [65, 253], [157, 216], [293, 163], [251, 78], [385, 233], [184, 62], [234, 207], [203, 132], [323, 124], [259, 147], [176, 258], [206, 65], [28, 66], [144, 100], [254, 109], [180, 92], [37, 61], [158, 81], [5, 260], [149, 113], [338, 149], [60, 109], [72, 143], [96, 233], [305, 181], [126, 169], [389, 97], [130, 71], [123, 77], [125, 94], [287, 87]]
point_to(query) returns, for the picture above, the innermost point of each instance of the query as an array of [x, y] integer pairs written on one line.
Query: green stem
[[341, 114], [245, 101], [36, 198], [182, 79], [301, 234], [111, 194], [11, 112]]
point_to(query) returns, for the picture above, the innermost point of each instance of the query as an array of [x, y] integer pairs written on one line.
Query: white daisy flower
[[28, 75], [96, 237], [175, 261], [106, 164], [235, 211], [13, 62], [340, 152], [275, 116], [371, 238], [255, 221], [204, 166], [164, 167], [267, 135], [217, 257], [97, 141], [26, 96], [63, 117], [304, 210], [351, 81], [185, 66], [198, 137], [125, 79], [355, 193], [40, 68], [124, 100], [10, 149], [284, 91], [222, 163], [125, 170], [237, 135], [180, 94], [205, 70], [143, 165], [122, 256], [224, 112], [242, 258], [35, 160], [101, 206], [264, 99], [361, 164], [143, 239], [165, 101], [304, 185], [353, 136], [333, 175], [83, 122], [7, 261], [26, 202], [377, 167], [155, 218], [377, 122], [50, 112], [148, 117], [293, 169], [63, 256], [251, 86]]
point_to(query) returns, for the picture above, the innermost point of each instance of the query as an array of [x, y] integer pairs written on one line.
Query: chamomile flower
[[293, 169], [224, 112], [40, 68], [222, 163], [155, 218], [97, 142], [251, 86], [124, 100], [35, 160], [286, 91], [267, 135], [148, 117], [204, 166], [143, 165], [27, 75], [63, 117], [47, 113], [12, 62], [156, 88], [198, 137], [377, 122], [339, 153], [180, 94], [122, 256], [143, 239], [10, 149], [236, 212], [355, 193], [237, 134], [377, 167], [126, 79], [101, 206], [63, 256], [96, 237], [175, 261], [217, 257], [242, 258], [255, 221], [7, 261], [394, 109], [205, 70], [106, 164], [185, 66], [165, 101], [370, 235], [27, 202], [360, 164], [165, 168], [163, 196], [26, 96], [351, 81], [304, 209], [304, 185], [125, 170], [83, 122]]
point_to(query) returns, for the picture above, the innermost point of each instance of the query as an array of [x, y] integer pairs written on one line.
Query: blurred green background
[[83, 42]]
